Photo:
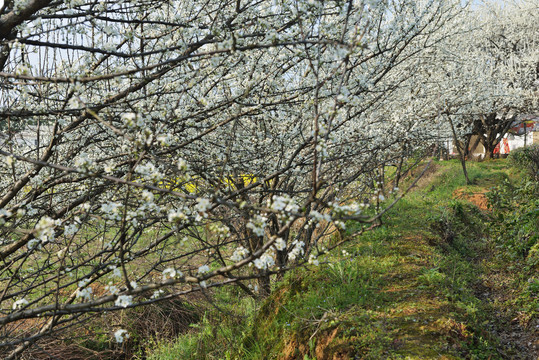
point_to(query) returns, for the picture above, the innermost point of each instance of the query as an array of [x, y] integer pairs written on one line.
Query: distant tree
[[491, 70]]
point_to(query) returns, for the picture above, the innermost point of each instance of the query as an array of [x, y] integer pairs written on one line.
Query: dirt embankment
[[479, 199]]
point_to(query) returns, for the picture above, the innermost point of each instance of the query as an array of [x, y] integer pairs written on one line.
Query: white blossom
[[116, 271], [112, 289], [45, 229], [265, 261], [203, 269], [176, 216], [121, 335], [129, 119], [258, 224], [284, 203], [320, 217], [280, 244], [71, 229], [112, 210], [109, 168], [9, 160], [183, 165], [313, 260], [239, 254], [157, 294], [150, 172], [20, 304], [123, 300], [202, 205], [147, 196], [297, 250], [84, 293], [171, 273], [85, 163]]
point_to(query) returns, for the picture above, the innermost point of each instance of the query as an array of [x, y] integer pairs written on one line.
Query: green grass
[[406, 290]]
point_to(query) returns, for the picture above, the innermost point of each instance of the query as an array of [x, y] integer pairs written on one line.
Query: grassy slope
[[411, 289]]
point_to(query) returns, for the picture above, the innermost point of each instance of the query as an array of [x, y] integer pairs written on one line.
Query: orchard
[[153, 149]]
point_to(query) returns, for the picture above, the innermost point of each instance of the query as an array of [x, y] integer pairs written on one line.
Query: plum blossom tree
[[490, 73], [183, 145]]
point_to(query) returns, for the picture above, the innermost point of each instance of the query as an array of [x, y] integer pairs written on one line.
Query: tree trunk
[[474, 145], [399, 171], [459, 150], [264, 284]]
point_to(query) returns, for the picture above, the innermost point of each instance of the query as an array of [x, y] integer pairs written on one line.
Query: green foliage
[[516, 219], [515, 231], [313, 302], [431, 277], [187, 346], [215, 336], [459, 227], [527, 158]]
